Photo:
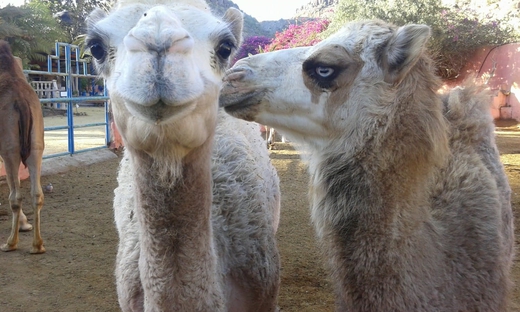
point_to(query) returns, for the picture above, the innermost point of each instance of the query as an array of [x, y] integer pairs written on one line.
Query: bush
[[251, 46], [457, 32], [465, 31], [305, 34]]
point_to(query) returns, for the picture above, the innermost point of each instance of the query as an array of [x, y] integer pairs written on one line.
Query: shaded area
[[76, 273]]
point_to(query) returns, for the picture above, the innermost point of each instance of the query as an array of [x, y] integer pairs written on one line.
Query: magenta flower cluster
[[251, 46], [298, 35], [463, 32]]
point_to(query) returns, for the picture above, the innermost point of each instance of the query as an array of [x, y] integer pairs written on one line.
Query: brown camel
[[21, 140]]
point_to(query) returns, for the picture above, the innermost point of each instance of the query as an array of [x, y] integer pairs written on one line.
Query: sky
[[3, 3], [270, 10], [262, 10]]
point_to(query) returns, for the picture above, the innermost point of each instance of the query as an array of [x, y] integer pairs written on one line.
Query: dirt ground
[[76, 273]]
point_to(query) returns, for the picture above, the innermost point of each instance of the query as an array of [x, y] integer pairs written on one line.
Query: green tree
[[398, 12], [457, 31], [7, 28], [30, 30], [72, 14], [464, 31]]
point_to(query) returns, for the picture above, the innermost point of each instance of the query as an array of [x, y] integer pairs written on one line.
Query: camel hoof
[[7, 247], [26, 227], [37, 250]]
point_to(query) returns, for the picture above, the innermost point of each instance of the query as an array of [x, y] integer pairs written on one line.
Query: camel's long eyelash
[[220, 38], [214, 62], [98, 38], [224, 51], [111, 54]]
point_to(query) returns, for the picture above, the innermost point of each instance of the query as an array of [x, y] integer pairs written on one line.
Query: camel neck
[[176, 233], [372, 197], [168, 201], [358, 211]]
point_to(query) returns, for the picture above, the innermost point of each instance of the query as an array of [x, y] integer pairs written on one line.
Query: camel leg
[[24, 225], [34, 162], [11, 164], [242, 298]]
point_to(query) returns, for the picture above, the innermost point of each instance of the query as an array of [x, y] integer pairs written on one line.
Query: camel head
[[163, 61], [340, 87]]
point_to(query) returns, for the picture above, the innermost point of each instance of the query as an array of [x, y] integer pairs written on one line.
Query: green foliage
[[74, 13], [30, 30], [463, 32], [8, 16], [457, 32], [399, 12]]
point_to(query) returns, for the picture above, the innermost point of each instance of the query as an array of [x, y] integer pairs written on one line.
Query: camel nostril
[[235, 74], [134, 44], [182, 45], [171, 41]]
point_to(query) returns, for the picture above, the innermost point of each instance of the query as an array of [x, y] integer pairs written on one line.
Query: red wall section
[[499, 68]]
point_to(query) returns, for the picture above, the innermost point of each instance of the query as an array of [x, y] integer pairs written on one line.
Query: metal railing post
[[69, 74], [70, 115], [107, 115]]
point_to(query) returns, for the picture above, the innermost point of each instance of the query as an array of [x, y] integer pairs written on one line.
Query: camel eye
[[224, 50], [97, 49], [324, 72]]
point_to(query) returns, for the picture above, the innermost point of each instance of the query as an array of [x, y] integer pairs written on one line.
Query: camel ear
[[235, 20], [403, 50], [94, 17]]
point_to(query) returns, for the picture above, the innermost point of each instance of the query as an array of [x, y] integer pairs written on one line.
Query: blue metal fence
[[80, 70]]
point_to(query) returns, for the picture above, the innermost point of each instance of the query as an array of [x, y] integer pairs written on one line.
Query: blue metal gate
[[75, 67]]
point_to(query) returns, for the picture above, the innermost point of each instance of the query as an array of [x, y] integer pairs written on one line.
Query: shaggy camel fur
[[21, 140], [197, 204], [408, 196]]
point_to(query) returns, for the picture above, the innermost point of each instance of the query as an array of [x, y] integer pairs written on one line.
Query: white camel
[[197, 204], [408, 195]]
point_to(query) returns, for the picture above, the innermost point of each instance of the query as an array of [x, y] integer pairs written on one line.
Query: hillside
[[317, 9], [252, 27]]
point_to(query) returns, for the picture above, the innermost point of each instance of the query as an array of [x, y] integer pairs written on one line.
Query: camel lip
[[237, 107], [238, 101], [244, 105], [237, 73], [158, 112]]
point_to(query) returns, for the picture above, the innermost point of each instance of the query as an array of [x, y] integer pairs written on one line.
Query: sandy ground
[[76, 273], [85, 137]]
